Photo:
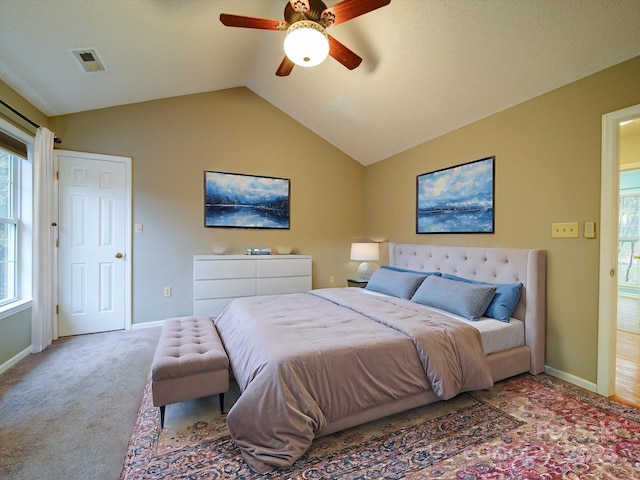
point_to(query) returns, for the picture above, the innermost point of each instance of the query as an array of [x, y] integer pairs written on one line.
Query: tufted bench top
[[188, 346]]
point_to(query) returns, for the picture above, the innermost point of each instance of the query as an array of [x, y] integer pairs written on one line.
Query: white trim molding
[[14, 307], [580, 382], [139, 326], [15, 359]]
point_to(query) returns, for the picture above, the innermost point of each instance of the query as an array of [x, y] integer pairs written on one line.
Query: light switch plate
[[564, 230], [589, 230]]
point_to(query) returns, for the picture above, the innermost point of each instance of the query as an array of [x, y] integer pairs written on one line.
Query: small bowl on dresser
[[218, 249], [283, 250]]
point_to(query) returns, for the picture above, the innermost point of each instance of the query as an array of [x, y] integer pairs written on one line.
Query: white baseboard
[[12, 361], [137, 326], [580, 382]]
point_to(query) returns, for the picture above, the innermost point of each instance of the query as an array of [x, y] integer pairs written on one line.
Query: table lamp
[[364, 252]]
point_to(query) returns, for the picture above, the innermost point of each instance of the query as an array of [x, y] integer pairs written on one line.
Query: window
[[9, 226], [16, 220]]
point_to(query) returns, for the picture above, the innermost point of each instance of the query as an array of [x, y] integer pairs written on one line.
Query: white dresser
[[218, 279]]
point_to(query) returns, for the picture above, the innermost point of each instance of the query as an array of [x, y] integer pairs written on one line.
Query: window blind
[[13, 145]]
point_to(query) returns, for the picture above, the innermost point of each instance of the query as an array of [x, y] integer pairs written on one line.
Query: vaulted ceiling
[[429, 66]]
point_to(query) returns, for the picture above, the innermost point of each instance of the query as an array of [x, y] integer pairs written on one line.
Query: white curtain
[[43, 306]]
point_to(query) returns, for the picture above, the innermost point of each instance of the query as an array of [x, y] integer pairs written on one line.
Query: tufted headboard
[[494, 265]]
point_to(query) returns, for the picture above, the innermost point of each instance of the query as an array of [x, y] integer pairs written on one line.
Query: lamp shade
[[364, 251], [306, 43]]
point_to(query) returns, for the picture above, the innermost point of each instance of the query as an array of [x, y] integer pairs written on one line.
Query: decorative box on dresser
[[218, 279]]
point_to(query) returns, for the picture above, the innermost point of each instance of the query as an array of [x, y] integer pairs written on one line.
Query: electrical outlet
[[167, 291], [564, 230], [332, 279], [138, 228]]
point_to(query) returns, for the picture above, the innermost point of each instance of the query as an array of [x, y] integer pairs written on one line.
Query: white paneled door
[[94, 243]]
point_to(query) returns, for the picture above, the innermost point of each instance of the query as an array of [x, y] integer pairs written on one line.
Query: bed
[[311, 364]]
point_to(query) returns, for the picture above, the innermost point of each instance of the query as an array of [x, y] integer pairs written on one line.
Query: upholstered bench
[[189, 362]]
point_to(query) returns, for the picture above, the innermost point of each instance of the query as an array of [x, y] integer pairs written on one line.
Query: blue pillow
[[464, 299], [505, 300], [395, 283], [398, 269]]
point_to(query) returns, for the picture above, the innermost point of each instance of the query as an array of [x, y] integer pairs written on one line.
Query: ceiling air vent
[[89, 60]]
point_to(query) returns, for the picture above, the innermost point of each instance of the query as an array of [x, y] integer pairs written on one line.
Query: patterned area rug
[[523, 428]]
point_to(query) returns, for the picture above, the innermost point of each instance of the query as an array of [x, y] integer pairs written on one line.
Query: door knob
[[637, 257], [119, 255]]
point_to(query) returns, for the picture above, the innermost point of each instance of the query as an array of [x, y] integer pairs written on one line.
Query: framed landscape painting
[[457, 199], [235, 200]]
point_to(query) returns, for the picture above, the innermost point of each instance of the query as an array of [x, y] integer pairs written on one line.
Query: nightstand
[[357, 283]]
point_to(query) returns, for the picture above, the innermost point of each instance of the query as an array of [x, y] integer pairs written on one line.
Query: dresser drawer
[[230, 287], [283, 267], [209, 269]]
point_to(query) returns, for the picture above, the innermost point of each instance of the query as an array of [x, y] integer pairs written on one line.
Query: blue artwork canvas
[[457, 199], [234, 200]]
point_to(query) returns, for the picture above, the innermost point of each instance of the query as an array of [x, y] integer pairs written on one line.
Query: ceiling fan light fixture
[[306, 43]]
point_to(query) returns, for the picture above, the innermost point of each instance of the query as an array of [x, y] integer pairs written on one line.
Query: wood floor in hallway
[[628, 351]]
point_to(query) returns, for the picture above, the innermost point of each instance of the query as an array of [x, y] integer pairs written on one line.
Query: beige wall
[[548, 153], [173, 141], [15, 335]]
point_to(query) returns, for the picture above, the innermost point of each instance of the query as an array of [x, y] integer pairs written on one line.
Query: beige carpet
[[67, 413]]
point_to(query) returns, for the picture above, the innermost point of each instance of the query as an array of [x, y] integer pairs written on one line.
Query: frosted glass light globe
[[306, 43]]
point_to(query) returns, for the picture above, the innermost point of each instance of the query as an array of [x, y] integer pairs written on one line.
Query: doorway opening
[[628, 301], [619, 244]]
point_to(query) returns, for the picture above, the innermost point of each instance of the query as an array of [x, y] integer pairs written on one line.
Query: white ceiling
[[429, 66]]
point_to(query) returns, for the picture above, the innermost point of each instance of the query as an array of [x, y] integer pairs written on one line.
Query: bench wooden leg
[[221, 397], [162, 416]]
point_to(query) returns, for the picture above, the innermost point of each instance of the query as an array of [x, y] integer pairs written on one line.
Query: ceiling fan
[[305, 21]]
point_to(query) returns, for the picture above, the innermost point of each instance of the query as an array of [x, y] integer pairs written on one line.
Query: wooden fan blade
[[250, 22], [342, 54], [285, 67], [348, 9]]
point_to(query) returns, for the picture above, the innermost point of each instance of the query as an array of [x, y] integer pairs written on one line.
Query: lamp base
[[365, 270]]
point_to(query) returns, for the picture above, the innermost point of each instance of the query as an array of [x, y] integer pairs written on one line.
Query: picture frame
[[457, 199], [237, 200]]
